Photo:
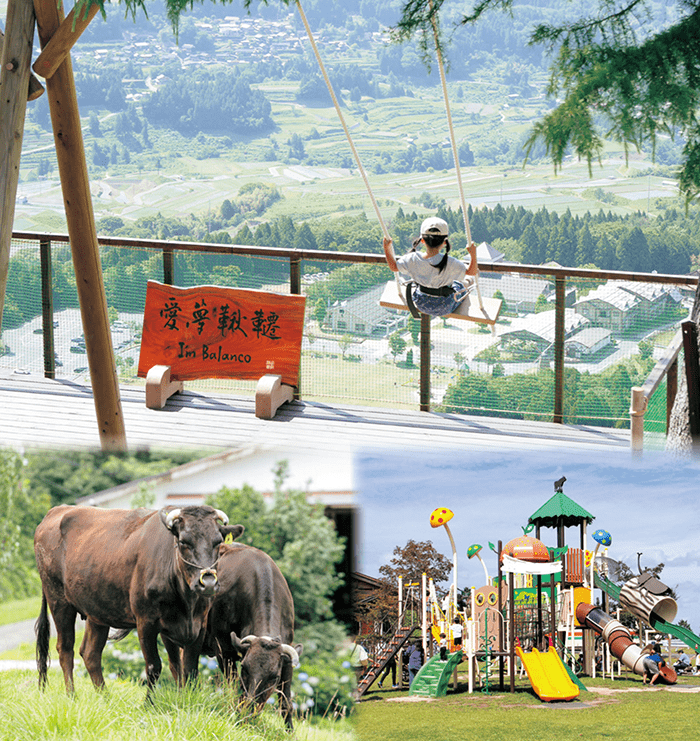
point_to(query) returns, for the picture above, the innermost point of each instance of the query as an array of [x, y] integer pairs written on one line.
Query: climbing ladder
[[434, 676], [397, 642]]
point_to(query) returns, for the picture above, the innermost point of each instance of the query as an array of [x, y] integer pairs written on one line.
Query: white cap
[[434, 226]]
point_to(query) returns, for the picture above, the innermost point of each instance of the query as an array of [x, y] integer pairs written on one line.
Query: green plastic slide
[[656, 623], [433, 677]]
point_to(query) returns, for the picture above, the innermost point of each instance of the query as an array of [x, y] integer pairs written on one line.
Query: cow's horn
[[221, 516], [171, 517], [292, 653], [248, 639]]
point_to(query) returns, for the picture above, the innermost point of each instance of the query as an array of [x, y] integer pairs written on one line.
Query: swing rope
[[385, 231], [455, 154], [355, 153]]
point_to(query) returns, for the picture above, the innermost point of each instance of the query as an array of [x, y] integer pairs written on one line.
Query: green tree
[[247, 507], [297, 535], [397, 344], [320, 311], [638, 79]]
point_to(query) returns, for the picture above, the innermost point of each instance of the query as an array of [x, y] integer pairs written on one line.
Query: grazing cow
[[143, 569], [252, 621]]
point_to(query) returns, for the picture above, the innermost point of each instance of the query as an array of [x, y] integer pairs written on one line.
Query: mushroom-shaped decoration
[[474, 550], [527, 548], [439, 518], [601, 537]]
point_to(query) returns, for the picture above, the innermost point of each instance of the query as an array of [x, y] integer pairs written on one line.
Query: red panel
[[215, 332]]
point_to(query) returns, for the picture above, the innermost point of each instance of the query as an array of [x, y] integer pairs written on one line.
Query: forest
[[668, 244]]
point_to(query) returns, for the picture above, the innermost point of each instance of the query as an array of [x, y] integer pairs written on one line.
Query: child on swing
[[436, 283]]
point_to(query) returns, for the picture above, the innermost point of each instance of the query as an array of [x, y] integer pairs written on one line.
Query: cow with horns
[[252, 622], [155, 571]]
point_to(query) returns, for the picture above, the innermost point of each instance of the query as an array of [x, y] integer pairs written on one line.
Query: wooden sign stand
[[217, 332], [270, 393]]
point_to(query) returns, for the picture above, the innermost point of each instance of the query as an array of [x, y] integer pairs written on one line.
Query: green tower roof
[[560, 510]]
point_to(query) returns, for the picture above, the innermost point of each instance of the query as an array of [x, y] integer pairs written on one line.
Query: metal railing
[[553, 355]]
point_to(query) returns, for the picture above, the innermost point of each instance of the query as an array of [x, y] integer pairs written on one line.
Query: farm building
[[362, 314], [622, 304], [587, 342]]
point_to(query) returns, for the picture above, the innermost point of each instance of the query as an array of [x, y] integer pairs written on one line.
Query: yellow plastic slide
[[548, 675]]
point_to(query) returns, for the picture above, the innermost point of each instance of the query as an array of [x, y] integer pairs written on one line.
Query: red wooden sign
[[215, 332]]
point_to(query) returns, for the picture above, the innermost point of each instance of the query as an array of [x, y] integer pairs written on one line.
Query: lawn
[[627, 711], [119, 714], [18, 610]]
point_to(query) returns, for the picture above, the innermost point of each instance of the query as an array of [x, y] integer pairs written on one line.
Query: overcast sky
[[649, 505]]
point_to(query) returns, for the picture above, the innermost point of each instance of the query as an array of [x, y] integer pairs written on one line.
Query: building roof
[[363, 305], [612, 294], [542, 325], [589, 337], [515, 288], [649, 291], [486, 252], [560, 510]]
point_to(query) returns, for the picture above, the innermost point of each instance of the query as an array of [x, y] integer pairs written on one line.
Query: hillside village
[[595, 321]]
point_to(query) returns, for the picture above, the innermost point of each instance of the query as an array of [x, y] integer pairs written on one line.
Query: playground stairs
[[433, 678], [397, 642]]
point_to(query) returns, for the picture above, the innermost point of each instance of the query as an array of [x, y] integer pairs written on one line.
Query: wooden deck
[[49, 414]]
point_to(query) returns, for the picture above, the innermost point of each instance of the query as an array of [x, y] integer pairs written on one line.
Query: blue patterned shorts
[[439, 305]]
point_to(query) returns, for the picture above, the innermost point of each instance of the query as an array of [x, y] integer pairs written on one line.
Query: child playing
[[435, 283], [443, 647]]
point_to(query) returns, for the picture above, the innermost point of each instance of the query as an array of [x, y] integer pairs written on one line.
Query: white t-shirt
[[456, 630], [425, 273]]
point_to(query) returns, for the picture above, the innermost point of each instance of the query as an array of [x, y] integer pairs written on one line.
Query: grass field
[[18, 610], [120, 714], [622, 709]]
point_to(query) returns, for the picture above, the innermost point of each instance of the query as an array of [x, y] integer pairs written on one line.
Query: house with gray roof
[[618, 305], [362, 314], [587, 342], [610, 306], [539, 329]]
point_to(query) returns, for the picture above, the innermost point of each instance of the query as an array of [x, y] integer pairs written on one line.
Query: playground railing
[[570, 343]]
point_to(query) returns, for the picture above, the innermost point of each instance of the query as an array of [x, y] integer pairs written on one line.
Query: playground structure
[[539, 610]]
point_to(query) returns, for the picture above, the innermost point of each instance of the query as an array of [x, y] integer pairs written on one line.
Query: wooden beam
[[692, 374], [559, 338], [14, 86], [36, 89], [62, 41], [75, 183]]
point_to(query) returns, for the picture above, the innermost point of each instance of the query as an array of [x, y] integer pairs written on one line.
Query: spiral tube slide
[[616, 635]]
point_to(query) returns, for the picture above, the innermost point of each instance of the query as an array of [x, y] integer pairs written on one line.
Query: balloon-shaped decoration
[[603, 537], [441, 516], [527, 548]]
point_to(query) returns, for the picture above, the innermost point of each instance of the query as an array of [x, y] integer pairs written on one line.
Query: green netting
[[356, 352]]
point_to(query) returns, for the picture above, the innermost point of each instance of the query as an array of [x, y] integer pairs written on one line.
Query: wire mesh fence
[[354, 351]]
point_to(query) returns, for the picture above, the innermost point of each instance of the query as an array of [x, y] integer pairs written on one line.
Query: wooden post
[[75, 183], [295, 288], [671, 390], [638, 408], [168, 266], [63, 40], [424, 363], [559, 336], [692, 374], [47, 309], [14, 84]]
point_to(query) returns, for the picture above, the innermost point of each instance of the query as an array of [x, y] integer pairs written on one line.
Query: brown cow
[[143, 569], [252, 621]]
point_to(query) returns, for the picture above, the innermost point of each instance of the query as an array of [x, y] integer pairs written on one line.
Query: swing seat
[[468, 310]]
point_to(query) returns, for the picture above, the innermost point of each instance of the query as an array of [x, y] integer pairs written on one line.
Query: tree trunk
[[678, 440]]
